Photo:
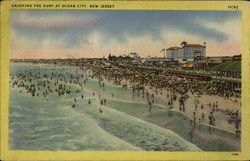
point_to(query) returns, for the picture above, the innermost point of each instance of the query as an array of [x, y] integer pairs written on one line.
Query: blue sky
[[86, 33]]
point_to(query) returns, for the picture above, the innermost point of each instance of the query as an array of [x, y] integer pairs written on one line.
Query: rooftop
[[173, 48], [194, 45], [186, 45]]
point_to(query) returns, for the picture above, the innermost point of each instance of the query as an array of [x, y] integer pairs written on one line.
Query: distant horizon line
[[102, 57]]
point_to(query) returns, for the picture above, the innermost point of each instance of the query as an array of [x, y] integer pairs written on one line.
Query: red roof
[[194, 45], [173, 48]]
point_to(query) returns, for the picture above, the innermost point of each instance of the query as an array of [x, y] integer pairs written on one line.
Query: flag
[[162, 50]]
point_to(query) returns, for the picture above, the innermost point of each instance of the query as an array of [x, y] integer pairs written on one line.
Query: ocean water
[[51, 123]]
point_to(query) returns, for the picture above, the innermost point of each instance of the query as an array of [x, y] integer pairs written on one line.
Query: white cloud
[[54, 22], [231, 28]]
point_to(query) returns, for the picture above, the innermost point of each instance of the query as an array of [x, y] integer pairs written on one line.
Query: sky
[[96, 33]]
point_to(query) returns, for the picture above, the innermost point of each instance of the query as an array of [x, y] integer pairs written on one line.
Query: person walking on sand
[[149, 107], [202, 107], [182, 104], [211, 119], [194, 119], [104, 101], [170, 112], [196, 102], [203, 117], [191, 129], [100, 110]]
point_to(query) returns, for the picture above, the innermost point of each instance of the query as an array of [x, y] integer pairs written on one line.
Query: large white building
[[173, 53], [186, 51]]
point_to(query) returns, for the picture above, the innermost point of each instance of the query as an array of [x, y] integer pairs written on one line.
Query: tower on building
[[183, 43]]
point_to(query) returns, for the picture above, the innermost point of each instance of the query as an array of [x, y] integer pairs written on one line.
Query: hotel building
[[186, 51]]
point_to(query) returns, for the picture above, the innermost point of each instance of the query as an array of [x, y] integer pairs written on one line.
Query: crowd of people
[[38, 83]]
